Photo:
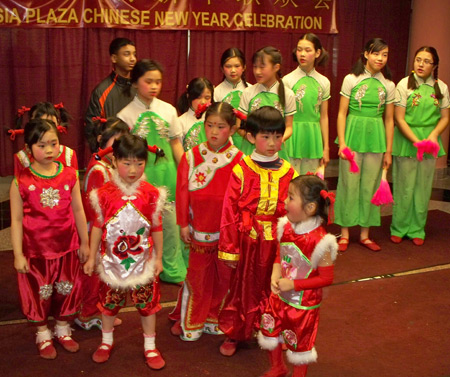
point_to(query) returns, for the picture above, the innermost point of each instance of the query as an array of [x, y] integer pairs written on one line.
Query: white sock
[[43, 336], [63, 331], [108, 337], [149, 342]]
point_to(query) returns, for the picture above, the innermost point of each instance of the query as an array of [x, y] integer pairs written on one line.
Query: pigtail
[[359, 66], [412, 83], [281, 91], [437, 89], [20, 115], [183, 103], [64, 116]]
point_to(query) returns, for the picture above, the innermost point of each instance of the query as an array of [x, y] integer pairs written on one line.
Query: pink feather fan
[[426, 146], [350, 156], [383, 195]]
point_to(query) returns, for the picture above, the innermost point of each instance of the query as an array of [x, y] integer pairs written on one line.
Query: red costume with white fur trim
[[295, 314], [127, 215]]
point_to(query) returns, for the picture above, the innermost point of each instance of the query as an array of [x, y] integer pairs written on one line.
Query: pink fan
[[383, 195], [350, 156], [320, 172], [426, 146]]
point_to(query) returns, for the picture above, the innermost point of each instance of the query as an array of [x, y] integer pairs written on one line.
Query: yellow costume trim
[[228, 257]]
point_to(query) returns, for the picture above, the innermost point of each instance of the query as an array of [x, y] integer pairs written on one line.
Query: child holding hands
[[253, 203], [303, 265], [49, 235], [128, 230]]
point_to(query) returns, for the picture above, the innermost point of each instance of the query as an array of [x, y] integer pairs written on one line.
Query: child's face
[[233, 69], [306, 54], [294, 206], [149, 85], [205, 97], [130, 169], [266, 143], [423, 64], [265, 71], [376, 60], [46, 149], [217, 131], [125, 59]]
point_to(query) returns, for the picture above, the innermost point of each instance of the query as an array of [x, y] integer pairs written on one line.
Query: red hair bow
[[100, 119], [151, 148], [22, 111], [239, 114], [13, 133], [58, 105], [332, 198], [61, 129]]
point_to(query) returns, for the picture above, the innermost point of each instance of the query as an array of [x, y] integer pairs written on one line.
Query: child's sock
[[64, 337], [152, 356], [108, 337], [149, 342]]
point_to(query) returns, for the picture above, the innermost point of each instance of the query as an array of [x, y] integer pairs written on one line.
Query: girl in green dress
[[368, 97], [308, 147], [422, 113]]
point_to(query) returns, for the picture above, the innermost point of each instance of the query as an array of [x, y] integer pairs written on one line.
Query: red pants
[[90, 286]]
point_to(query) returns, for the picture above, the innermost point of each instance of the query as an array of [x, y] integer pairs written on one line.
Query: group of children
[[225, 182]]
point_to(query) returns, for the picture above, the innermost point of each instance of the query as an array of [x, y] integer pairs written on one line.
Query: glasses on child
[[424, 61]]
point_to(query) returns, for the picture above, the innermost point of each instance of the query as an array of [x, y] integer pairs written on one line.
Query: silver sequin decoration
[[162, 127], [278, 106], [228, 99], [382, 97], [66, 187], [50, 197], [299, 94], [256, 104], [143, 128], [319, 99], [45, 291], [64, 287], [192, 140], [360, 94], [31, 187]]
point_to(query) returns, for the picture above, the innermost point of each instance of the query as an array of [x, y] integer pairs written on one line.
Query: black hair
[[130, 146], [412, 84], [322, 60], [374, 45], [117, 44], [266, 119], [139, 70], [224, 110], [194, 90], [35, 130], [234, 52], [275, 58], [47, 108], [104, 131], [309, 188]]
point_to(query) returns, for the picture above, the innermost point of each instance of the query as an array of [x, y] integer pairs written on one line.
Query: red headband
[[331, 197]]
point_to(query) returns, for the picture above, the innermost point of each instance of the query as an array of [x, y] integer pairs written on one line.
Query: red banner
[[317, 16]]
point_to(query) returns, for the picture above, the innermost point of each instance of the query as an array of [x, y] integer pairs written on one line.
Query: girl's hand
[[274, 286], [21, 264], [89, 266], [387, 160], [83, 253], [158, 266], [285, 284], [432, 138], [231, 264], [185, 235], [340, 154], [326, 158]]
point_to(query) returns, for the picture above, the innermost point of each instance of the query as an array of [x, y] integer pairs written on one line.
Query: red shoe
[[396, 239], [102, 353], [47, 350], [418, 241], [68, 343], [176, 329], [228, 347], [154, 359], [276, 372], [371, 245], [343, 244]]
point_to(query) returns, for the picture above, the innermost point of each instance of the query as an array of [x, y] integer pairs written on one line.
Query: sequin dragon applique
[[319, 99], [299, 94], [360, 94], [381, 97]]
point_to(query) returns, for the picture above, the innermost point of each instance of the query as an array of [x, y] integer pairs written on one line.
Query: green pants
[[413, 182], [175, 258], [355, 191], [304, 165]]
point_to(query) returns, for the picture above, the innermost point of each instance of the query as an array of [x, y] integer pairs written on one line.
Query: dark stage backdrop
[[64, 65]]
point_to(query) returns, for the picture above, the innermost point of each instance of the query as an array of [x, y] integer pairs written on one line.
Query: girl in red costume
[[49, 234], [203, 175], [304, 264], [98, 172], [128, 230]]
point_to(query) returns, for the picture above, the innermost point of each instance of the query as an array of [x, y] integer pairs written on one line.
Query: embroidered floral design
[[416, 99], [31, 187], [278, 106], [113, 298], [228, 155], [192, 139], [66, 187], [290, 338], [361, 92], [287, 269], [436, 101], [267, 322], [50, 197], [162, 127], [45, 291], [127, 245], [256, 104], [215, 160], [200, 178], [319, 99], [299, 94], [381, 97], [142, 294], [204, 152], [64, 287]]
